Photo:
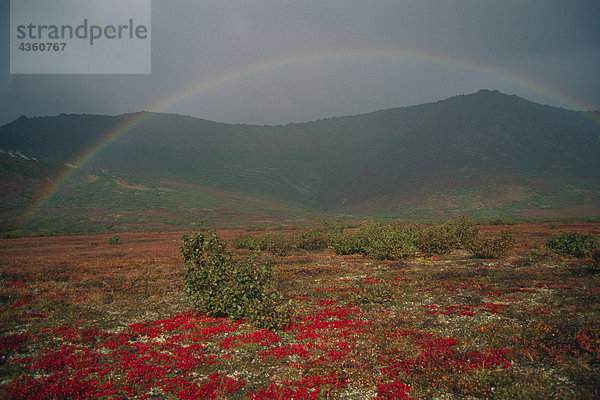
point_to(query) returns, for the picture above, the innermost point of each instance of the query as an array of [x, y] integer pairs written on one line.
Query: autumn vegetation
[[377, 310]]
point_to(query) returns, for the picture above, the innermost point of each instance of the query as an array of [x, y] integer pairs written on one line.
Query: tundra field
[[101, 316]]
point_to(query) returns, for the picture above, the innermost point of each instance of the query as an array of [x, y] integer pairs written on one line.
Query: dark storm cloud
[[544, 50]]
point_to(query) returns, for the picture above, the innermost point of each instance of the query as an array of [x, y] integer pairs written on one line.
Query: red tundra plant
[[392, 391], [329, 322], [87, 365], [264, 337], [217, 386], [438, 354], [307, 388], [13, 342], [23, 301]]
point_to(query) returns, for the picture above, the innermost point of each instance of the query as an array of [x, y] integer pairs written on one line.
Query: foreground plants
[[424, 327], [221, 286]]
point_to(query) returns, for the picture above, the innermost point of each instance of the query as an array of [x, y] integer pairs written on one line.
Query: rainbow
[[297, 58]]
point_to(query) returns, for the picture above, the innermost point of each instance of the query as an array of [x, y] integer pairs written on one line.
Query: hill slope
[[485, 153]]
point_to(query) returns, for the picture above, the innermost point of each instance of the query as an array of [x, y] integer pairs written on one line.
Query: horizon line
[[130, 113]]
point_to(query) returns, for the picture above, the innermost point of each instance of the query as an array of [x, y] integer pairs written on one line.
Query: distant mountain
[[484, 154]]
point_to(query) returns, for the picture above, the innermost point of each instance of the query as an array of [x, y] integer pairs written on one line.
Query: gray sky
[[271, 62]]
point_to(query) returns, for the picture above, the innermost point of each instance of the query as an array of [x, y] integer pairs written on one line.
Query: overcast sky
[[272, 62]]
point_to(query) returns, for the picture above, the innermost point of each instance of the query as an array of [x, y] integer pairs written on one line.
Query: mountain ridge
[[485, 152]]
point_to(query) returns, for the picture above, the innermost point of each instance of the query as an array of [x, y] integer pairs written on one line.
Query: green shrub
[[222, 286], [348, 242], [247, 242], [443, 238], [577, 244], [464, 231], [438, 239], [281, 243], [114, 239], [276, 243], [391, 242], [383, 242], [492, 247], [314, 239]]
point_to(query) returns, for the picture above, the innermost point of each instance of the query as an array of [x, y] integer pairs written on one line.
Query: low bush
[[394, 241], [438, 239], [348, 242], [464, 231], [281, 243], [577, 244], [245, 241], [391, 242], [378, 241], [314, 239], [114, 239], [492, 247], [443, 238], [276, 243], [222, 286]]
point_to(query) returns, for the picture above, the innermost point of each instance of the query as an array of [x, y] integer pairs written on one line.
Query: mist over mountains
[[484, 154]]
